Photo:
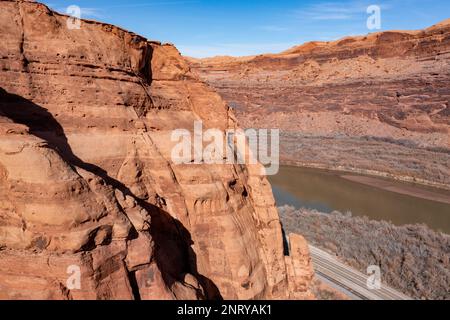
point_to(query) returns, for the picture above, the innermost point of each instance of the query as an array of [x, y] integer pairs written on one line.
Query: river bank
[[379, 199], [409, 190], [367, 172], [371, 156], [379, 179]]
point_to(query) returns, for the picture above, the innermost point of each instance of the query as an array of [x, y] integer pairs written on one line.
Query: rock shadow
[[173, 242]]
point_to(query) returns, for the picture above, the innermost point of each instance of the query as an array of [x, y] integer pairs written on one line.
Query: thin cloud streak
[[85, 12], [233, 49], [336, 11], [92, 12], [332, 17]]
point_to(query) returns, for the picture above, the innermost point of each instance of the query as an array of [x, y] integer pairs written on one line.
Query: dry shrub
[[413, 258]]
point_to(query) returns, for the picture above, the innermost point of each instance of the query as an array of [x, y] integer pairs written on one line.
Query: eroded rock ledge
[[86, 178], [378, 103]]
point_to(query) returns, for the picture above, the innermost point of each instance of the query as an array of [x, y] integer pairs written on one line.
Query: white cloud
[[96, 13], [335, 10], [332, 16], [91, 12]]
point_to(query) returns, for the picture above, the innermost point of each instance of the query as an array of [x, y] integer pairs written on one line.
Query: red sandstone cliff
[[342, 104], [407, 70], [86, 177]]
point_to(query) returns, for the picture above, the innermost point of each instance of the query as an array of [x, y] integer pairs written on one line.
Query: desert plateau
[[135, 169]]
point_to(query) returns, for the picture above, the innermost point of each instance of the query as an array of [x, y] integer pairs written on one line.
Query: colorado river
[[378, 199]]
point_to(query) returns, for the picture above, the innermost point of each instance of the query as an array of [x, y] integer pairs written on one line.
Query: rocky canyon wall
[[378, 103], [87, 184]]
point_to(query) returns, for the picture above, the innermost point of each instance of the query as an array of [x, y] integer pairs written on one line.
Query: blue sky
[[203, 28]]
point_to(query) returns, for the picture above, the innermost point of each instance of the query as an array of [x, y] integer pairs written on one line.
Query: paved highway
[[348, 280]]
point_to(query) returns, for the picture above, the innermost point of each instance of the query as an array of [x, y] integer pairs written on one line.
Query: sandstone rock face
[[87, 185], [299, 266], [385, 93]]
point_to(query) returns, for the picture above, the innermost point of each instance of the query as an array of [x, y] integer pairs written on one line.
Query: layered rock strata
[[343, 104], [91, 204]]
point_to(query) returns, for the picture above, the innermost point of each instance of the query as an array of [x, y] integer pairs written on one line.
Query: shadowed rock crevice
[[134, 285]]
